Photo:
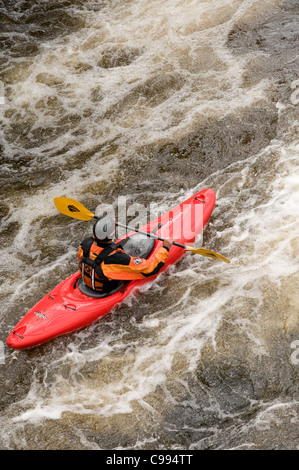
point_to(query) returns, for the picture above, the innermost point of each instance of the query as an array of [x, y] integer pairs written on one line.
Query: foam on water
[[136, 75], [146, 363], [70, 81]]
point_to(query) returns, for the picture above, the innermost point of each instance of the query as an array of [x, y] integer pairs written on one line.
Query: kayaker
[[103, 264]]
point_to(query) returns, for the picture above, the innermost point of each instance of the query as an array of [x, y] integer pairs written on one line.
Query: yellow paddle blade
[[72, 208], [209, 253]]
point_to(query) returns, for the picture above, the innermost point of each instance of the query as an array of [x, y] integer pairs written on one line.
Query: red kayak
[[72, 305]]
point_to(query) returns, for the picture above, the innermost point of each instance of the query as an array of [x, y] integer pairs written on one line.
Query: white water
[[136, 372]]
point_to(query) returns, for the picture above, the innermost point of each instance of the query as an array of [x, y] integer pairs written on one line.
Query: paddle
[[75, 209]]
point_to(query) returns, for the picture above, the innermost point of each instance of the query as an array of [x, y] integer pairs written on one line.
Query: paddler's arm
[[133, 267], [80, 253]]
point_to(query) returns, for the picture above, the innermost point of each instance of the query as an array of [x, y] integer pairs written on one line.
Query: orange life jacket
[[102, 268], [90, 265]]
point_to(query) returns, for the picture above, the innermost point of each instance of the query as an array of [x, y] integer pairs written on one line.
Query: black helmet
[[104, 228]]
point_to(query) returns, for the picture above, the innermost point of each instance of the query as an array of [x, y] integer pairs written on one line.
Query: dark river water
[[148, 102]]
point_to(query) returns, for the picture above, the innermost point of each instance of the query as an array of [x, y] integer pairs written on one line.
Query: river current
[[148, 102]]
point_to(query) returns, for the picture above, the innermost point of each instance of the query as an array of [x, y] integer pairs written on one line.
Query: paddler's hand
[[168, 243]]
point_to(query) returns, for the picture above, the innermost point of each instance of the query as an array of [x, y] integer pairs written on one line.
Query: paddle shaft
[[75, 209]]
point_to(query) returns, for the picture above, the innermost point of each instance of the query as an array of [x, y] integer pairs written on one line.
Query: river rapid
[[150, 101]]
